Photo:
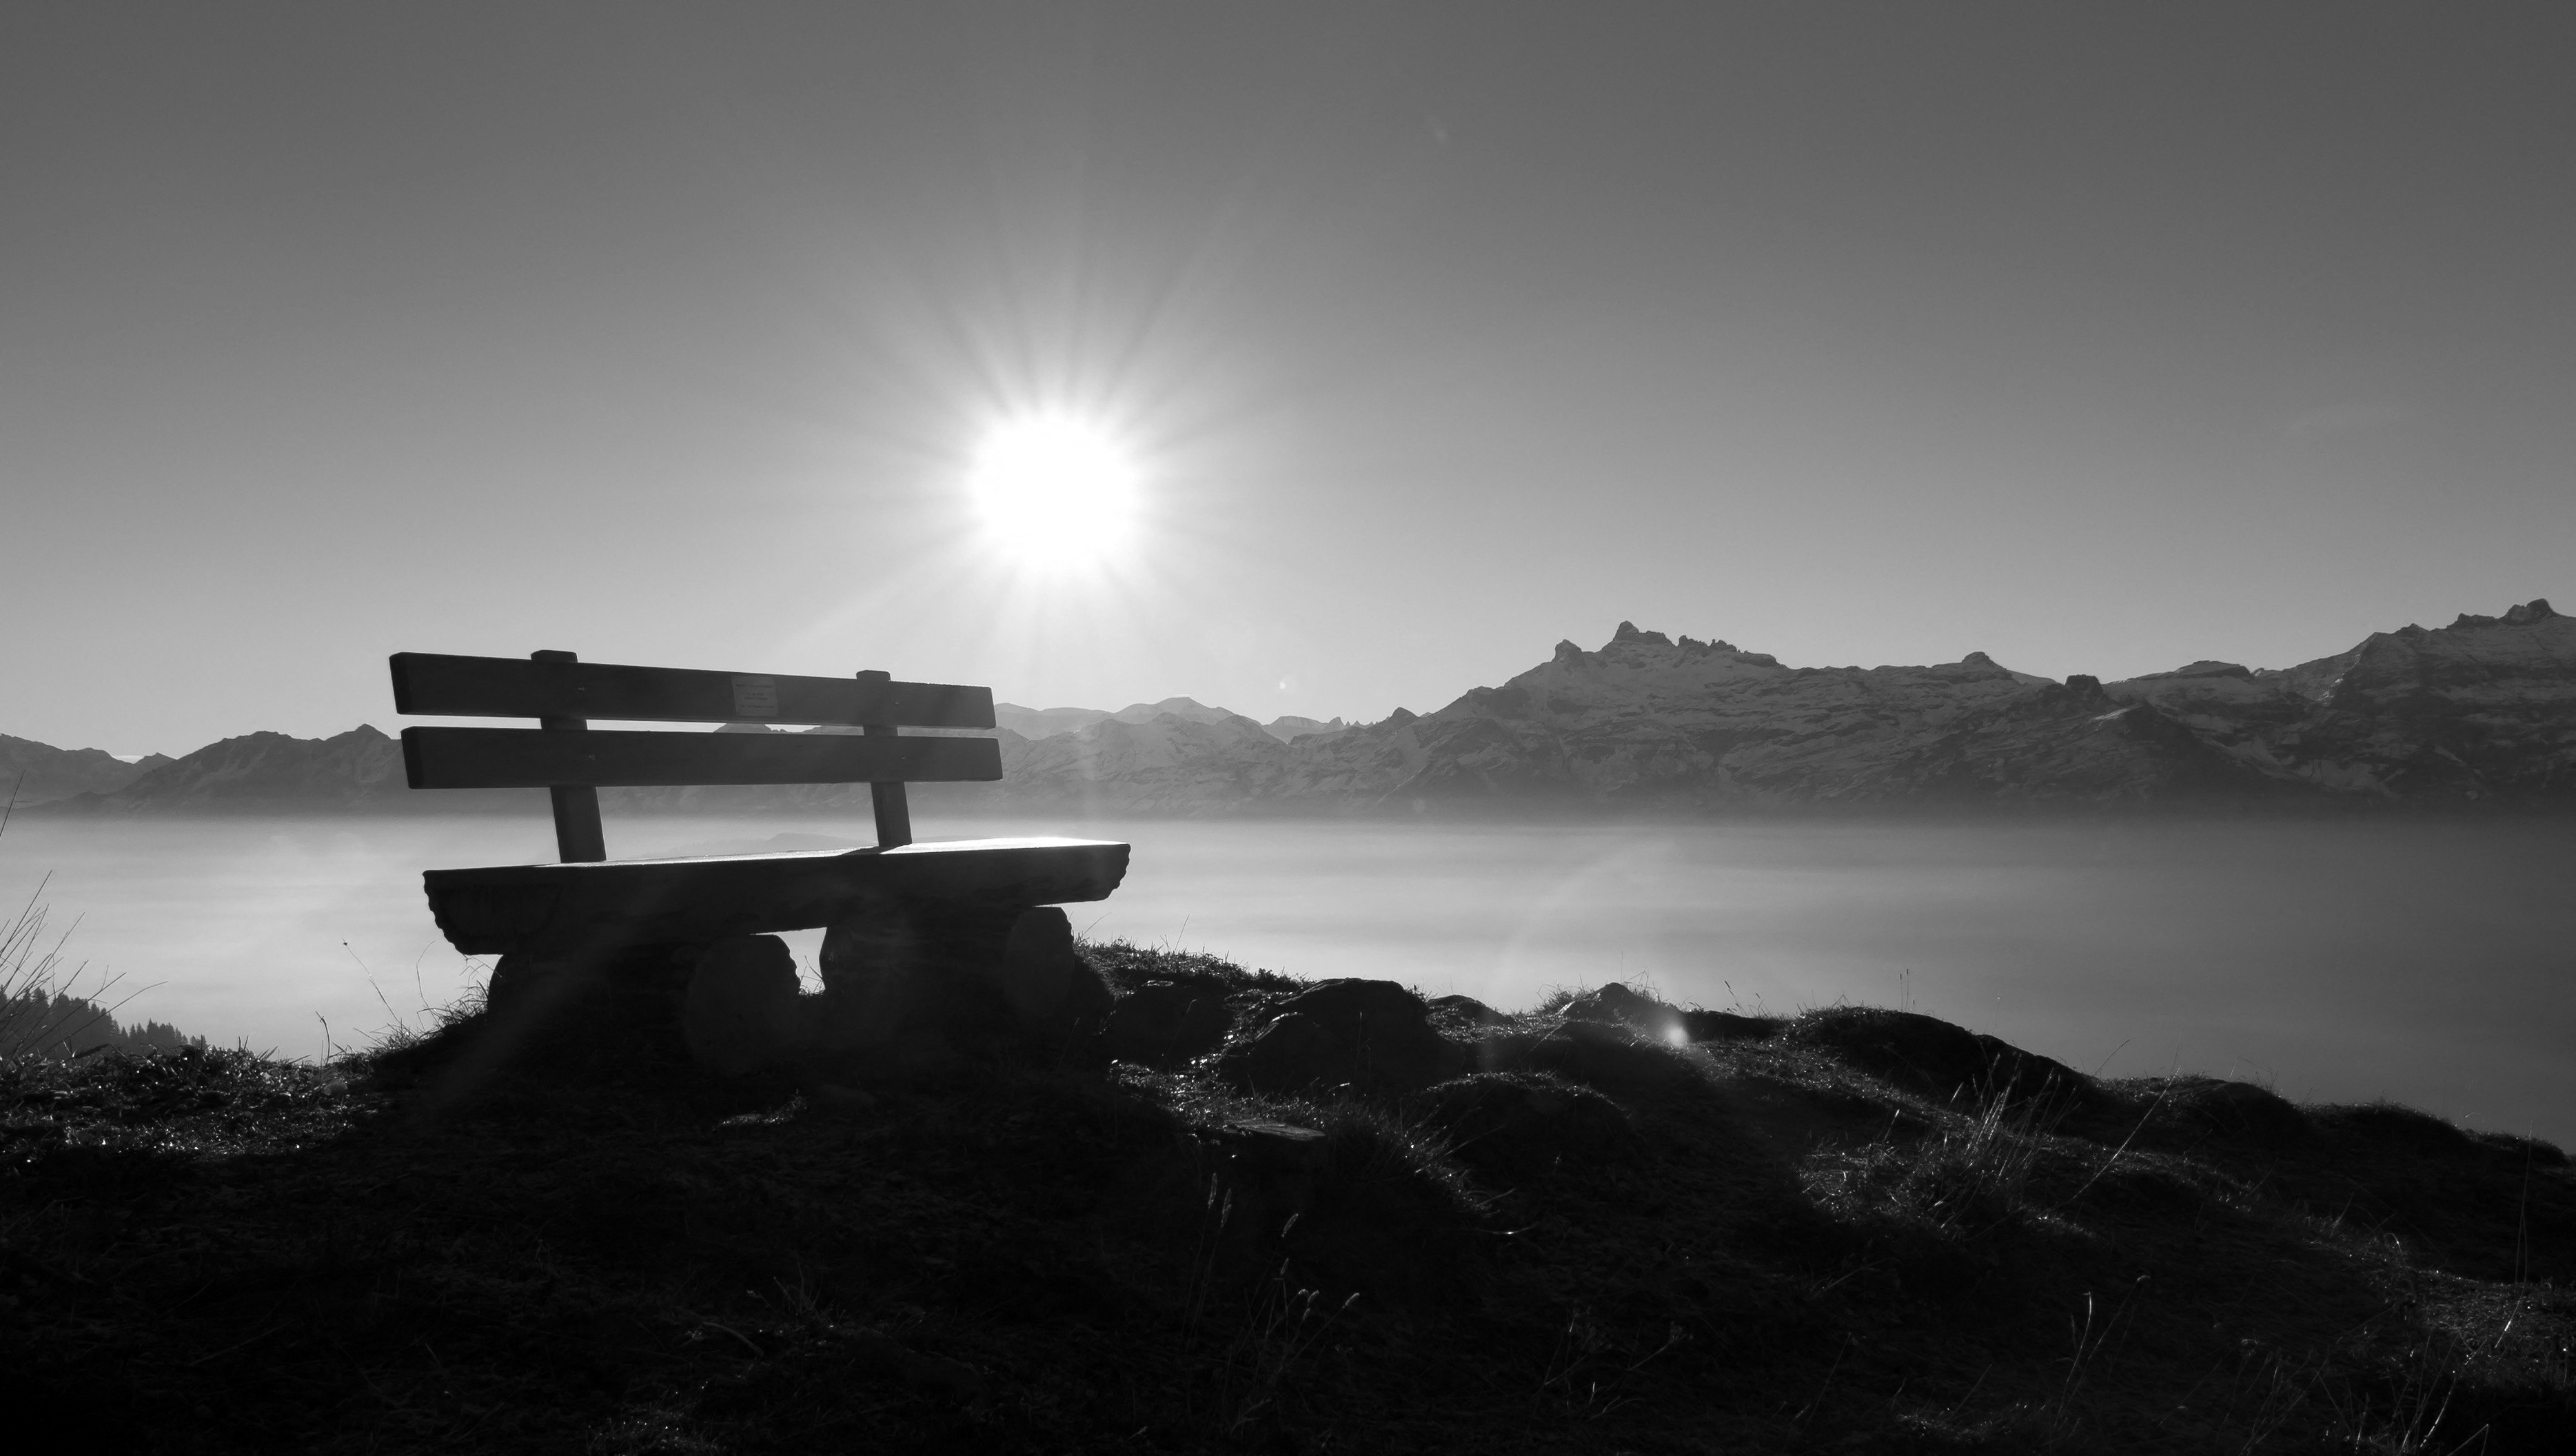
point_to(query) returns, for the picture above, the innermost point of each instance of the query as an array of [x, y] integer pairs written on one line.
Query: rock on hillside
[[39, 772]]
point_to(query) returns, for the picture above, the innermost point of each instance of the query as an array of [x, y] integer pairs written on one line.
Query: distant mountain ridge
[[1036, 723], [2482, 712], [360, 769], [33, 772]]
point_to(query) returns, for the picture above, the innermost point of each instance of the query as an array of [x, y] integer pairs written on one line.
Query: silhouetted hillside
[[1246, 1213]]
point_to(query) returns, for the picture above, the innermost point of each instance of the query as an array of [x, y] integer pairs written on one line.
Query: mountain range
[[32, 772], [1036, 723], [2479, 713]]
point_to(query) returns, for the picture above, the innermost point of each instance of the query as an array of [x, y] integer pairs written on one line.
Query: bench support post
[[578, 838], [894, 812]]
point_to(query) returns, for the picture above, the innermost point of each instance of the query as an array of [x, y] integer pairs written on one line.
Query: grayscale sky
[[2096, 337]]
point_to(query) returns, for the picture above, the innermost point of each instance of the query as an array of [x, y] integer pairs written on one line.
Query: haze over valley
[[2252, 872]]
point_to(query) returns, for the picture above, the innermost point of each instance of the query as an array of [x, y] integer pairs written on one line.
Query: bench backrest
[[573, 761]]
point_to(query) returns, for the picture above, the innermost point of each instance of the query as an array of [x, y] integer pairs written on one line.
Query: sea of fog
[[2432, 963]]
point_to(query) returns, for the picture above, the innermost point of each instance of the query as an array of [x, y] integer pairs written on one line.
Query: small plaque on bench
[[755, 697]]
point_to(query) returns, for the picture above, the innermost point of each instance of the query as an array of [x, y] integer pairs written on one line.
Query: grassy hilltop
[[1608, 1225]]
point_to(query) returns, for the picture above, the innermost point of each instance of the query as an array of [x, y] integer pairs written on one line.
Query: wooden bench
[[956, 903]]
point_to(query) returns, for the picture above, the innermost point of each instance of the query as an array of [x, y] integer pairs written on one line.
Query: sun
[[1055, 490]]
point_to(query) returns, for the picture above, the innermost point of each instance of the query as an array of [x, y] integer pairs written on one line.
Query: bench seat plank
[[511, 687], [630, 902], [534, 758]]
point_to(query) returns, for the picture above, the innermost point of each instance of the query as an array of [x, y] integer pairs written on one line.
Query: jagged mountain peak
[[1633, 647], [1630, 634], [2523, 615]]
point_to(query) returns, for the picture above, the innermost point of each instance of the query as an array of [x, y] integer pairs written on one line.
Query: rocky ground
[[1249, 1213]]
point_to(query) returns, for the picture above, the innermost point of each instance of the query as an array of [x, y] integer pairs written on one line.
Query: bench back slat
[[434, 683], [533, 758]]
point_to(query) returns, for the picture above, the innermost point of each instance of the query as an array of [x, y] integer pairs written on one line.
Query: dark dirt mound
[[2388, 1124], [2187, 1110], [1657, 1020], [1465, 1012], [1729, 1026], [1162, 1023], [1602, 1055], [1618, 1005], [1391, 1217], [1935, 1060], [1344, 1032], [1515, 1127]]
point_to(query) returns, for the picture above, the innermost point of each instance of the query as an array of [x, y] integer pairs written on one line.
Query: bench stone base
[[929, 949], [901, 973], [902, 985]]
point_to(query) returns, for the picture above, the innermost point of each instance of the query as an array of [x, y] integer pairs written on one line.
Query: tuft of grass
[[405, 1037], [43, 1010], [192, 1102], [1127, 966], [40, 1013], [1261, 1372], [1969, 1177], [1382, 1159]]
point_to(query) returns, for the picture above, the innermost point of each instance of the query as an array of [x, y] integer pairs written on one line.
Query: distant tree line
[[37, 1022]]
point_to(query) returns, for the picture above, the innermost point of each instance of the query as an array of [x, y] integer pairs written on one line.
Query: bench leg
[[634, 980], [580, 1006], [893, 973], [733, 1004], [740, 1011], [1042, 978]]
